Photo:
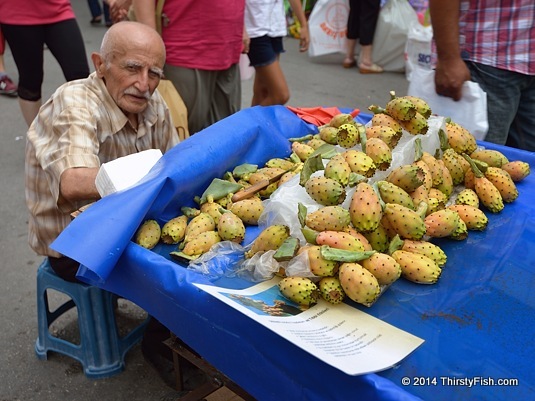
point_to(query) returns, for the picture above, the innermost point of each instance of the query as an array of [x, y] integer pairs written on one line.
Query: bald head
[[129, 34]]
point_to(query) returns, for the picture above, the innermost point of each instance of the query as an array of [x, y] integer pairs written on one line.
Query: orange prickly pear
[[360, 236], [518, 170], [434, 167], [441, 223], [358, 283], [339, 240], [460, 139], [503, 182], [473, 217], [452, 161], [384, 120], [365, 209], [387, 134], [341, 119], [379, 152], [384, 267]]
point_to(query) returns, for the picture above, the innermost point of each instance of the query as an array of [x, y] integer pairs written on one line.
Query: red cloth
[[318, 115], [35, 12]]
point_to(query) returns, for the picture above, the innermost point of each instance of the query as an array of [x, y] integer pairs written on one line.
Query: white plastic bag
[[418, 49], [327, 26], [391, 33], [470, 111], [246, 71]]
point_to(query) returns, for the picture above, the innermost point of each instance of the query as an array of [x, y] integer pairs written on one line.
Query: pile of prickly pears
[[374, 221]]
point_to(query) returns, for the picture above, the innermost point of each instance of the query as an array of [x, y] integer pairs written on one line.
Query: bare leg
[[349, 60], [29, 109], [365, 57], [270, 87]]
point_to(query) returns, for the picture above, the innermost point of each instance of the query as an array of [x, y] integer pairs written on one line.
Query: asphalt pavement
[[313, 82]]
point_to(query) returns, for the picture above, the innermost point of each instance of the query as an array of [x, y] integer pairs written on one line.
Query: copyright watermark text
[[457, 381]]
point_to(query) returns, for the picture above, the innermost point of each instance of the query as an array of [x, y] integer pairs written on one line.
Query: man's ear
[[99, 64]]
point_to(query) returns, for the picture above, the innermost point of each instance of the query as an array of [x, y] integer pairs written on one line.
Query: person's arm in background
[[145, 11], [118, 9], [304, 39], [451, 71]]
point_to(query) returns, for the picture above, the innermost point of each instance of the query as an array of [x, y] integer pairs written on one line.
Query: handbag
[[470, 111], [175, 103]]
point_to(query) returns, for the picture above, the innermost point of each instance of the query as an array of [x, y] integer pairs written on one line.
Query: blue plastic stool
[[101, 350]]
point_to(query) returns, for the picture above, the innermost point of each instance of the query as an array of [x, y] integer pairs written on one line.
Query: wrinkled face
[[131, 75]]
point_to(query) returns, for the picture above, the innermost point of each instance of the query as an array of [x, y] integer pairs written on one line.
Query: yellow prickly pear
[[494, 158], [148, 234], [407, 176], [331, 290], [401, 109], [405, 222], [174, 230], [325, 191], [200, 223], [467, 197], [341, 119], [382, 119], [302, 150], [417, 268], [503, 182], [271, 238], [348, 136], [300, 290], [421, 105], [417, 125], [426, 248], [473, 217], [387, 134], [488, 194], [338, 169], [358, 283], [319, 266], [248, 210], [379, 152], [231, 228], [360, 162], [328, 134], [391, 193], [333, 218], [460, 139], [201, 243]]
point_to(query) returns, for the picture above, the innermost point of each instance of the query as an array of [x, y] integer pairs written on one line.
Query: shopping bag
[[418, 49], [177, 107], [470, 111], [327, 26], [246, 71], [391, 33]]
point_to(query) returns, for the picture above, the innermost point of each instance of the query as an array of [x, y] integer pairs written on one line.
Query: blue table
[[477, 321]]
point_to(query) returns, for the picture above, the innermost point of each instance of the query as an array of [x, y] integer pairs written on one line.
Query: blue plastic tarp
[[477, 321]]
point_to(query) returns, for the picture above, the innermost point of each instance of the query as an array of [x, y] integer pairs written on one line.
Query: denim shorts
[[264, 50]]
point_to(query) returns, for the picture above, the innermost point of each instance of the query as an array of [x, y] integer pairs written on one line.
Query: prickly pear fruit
[[360, 162], [378, 238], [300, 290], [417, 268], [280, 163], [333, 218], [382, 119], [348, 135], [325, 191], [319, 266], [365, 209], [231, 227], [503, 182], [441, 223], [339, 240], [328, 134], [426, 248], [271, 238], [401, 109], [302, 150], [488, 194], [460, 233], [434, 167], [460, 139], [518, 170], [360, 236], [421, 105], [474, 218], [446, 186], [358, 283], [384, 267], [417, 125], [379, 152], [213, 209], [174, 230], [148, 234], [405, 222], [452, 160], [338, 169], [331, 290], [341, 119], [248, 210], [494, 158], [201, 243], [391, 193], [387, 134], [200, 223], [467, 197], [407, 176]]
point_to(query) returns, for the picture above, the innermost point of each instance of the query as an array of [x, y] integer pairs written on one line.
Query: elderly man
[[112, 113]]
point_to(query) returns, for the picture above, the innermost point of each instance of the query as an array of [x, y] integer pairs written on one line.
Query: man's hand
[[450, 76], [119, 9]]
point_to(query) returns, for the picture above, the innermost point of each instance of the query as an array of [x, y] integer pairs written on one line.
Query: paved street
[[313, 82]]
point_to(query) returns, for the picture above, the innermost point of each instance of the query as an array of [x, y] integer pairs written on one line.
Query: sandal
[[371, 69], [349, 64], [96, 20]]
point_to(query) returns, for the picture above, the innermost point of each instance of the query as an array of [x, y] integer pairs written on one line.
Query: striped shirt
[[499, 33], [82, 126]]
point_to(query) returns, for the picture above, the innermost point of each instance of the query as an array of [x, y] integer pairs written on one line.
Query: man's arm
[[145, 11], [451, 71], [78, 184]]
